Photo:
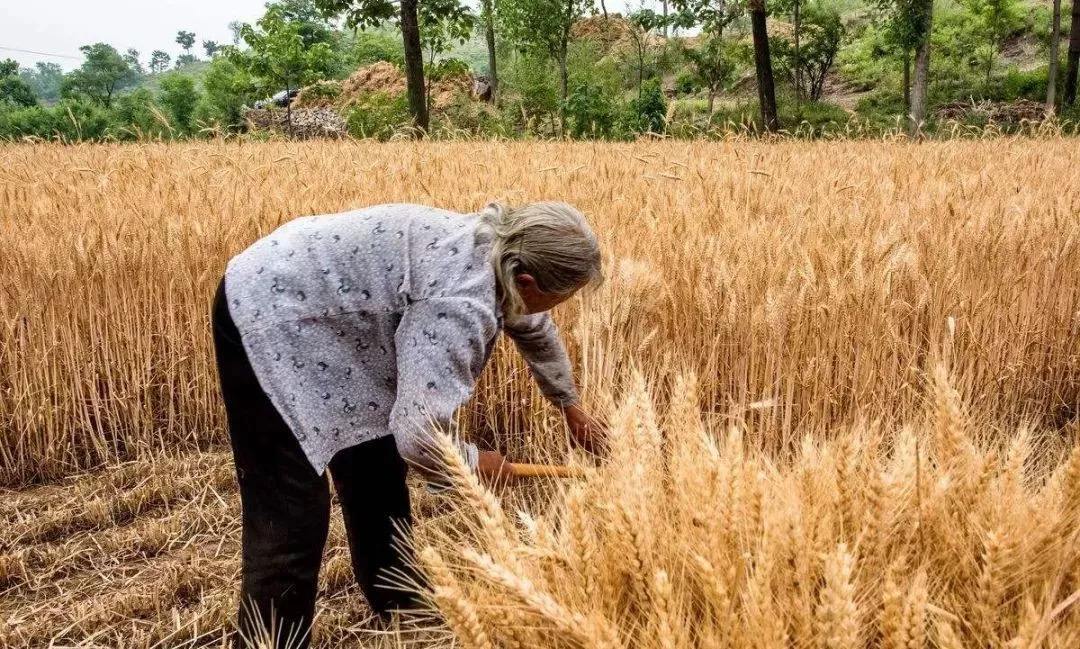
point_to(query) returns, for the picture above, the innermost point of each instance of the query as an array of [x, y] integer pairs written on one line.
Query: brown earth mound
[[381, 76], [608, 32], [321, 94]]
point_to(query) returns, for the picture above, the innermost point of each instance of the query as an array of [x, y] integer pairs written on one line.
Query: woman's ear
[[525, 282]]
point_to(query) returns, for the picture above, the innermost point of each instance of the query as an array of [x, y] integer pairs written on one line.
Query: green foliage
[[993, 21], [531, 89], [712, 65], [81, 119], [159, 61], [447, 69], [821, 36], [185, 39], [378, 115], [178, 97], [102, 74], [540, 26], [443, 23], [14, 89], [688, 82], [591, 112], [44, 80], [367, 47], [277, 55], [647, 113], [17, 122], [136, 115], [227, 87]]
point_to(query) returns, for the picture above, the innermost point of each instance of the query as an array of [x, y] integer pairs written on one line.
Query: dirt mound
[[998, 112], [321, 94], [608, 32], [381, 76], [446, 90]]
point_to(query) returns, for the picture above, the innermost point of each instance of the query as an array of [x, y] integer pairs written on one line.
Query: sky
[[62, 26]]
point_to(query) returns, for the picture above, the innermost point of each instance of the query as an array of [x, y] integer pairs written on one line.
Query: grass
[[767, 348]]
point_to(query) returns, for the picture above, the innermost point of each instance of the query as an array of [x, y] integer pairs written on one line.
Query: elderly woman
[[341, 339]]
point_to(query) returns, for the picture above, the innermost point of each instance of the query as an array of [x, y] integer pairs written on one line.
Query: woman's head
[[542, 254]]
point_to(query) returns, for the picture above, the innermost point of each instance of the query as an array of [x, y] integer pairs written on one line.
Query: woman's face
[[537, 301]]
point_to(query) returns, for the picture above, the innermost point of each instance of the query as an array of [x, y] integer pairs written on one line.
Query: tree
[[923, 18], [226, 88], [45, 80], [713, 15], [131, 57], [642, 23], [902, 23], [808, 67], [102, 73], [1073, 60], [211, 48], [770, 121], [996, 19], [487, 13], [185, 59], [277, 56], [186, 39], [179, 97], [373, 13], [713, 66], [543, 26], [1051, 73], [159, 61], [14, 90]]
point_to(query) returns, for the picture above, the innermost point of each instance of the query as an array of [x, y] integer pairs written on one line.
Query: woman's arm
[[441, 345], [537, 340]]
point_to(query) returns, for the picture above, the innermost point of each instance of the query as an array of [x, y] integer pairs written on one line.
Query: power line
[[62, 56]]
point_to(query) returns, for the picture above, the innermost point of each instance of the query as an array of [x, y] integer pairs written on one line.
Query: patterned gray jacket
[[379, 321]]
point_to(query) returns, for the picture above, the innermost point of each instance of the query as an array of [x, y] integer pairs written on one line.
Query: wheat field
[[843, 380]]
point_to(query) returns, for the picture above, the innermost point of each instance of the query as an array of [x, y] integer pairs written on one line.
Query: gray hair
[[549, 240]]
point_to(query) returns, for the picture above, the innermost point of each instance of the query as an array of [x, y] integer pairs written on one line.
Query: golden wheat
[[843, 381]]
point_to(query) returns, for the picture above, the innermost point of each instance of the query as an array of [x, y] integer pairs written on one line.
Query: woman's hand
[[493, 469], [586, 431]]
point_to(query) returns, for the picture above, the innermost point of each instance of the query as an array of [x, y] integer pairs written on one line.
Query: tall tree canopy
[[543, 27], [277, 55], [101, 75], [407, 14]]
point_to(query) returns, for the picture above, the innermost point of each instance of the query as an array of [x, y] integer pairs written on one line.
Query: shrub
[[378, 115], [647, 113], [367, 47], [591, 112]]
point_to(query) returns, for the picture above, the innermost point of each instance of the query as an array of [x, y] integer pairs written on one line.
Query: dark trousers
[[286, 505]]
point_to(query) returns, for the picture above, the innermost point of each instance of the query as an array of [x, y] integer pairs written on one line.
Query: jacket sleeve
[[537, 340], [441, 347]]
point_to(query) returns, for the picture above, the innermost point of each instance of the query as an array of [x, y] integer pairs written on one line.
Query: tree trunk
[[922, 75], [414, 64], [763, 67], [1051, 74], [665, 5], [1074, 55], [288, 107], [712, 102], [795, 23], [907, 83], [489, 9], [603, 8], [563, 91]]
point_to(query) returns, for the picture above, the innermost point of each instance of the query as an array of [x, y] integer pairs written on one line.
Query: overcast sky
[[62, 26]]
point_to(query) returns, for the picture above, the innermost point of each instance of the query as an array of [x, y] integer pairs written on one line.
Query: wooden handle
[[546, 471]]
